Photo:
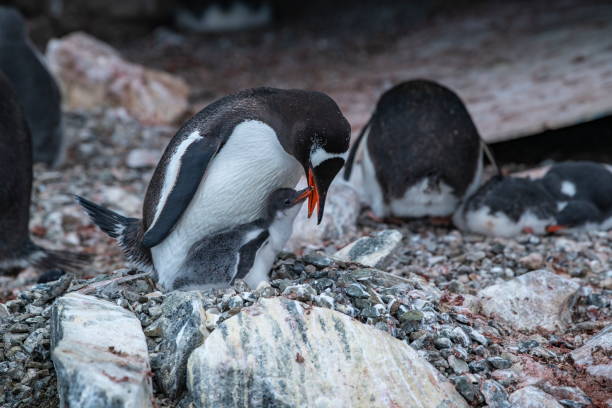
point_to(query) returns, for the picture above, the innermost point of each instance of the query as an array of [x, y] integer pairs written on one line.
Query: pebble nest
[[110, 160]]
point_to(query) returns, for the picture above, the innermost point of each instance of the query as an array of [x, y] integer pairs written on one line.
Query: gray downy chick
[[244, 252]]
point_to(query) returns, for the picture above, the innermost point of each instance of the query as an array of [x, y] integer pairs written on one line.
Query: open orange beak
[[312, 193], [555, 228]]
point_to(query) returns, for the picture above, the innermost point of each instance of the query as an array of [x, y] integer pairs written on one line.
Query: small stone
[[325, 301], [505, 377], [525, 346], [532, 397], [470, 391], [532, 261], [264, 289], [356, 290], [443, 343], [370, 312], [592, 356], [495, 395], [411, 316], [459, 336], [35, 340], [4, 311], [303, 292], [459, 366], [477, 336], [235, 304], [479, 366], [155, 311], [155, 329], [318, 260], [375, 251], [499, 362]]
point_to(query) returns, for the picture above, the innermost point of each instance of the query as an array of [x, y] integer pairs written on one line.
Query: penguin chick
[[34, 85], [16, 248], [245, 252], [582, 181], [577, 215], [421, 152], [507, 206]]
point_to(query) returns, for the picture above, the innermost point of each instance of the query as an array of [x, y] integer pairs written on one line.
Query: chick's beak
[[302, 195], [551, 229]]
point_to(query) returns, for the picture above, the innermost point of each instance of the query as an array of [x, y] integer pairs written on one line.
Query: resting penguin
[[507, 206], [16, 249], [421, 152], [35, 87], [221, 166], [244, 252], [583, 192]]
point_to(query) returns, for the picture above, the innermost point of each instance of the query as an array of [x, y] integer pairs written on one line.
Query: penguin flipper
[[192, 164]]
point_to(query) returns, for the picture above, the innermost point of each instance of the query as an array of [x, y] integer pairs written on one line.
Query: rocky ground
[[506, 321]]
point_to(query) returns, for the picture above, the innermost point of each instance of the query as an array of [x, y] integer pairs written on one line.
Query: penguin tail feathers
[[47, 259], [125, 230]]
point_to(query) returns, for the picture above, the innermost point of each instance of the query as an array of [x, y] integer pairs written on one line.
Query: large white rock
[[100, 354], [538, 299], [594, 356], [375, 251], [93, 74], [339, 220], [532, 397], [282, 353]]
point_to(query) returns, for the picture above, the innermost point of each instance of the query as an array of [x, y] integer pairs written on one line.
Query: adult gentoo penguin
[[421, 152], [244, 252], [507, 206], [221, 166], [35, 87], [16, 249]]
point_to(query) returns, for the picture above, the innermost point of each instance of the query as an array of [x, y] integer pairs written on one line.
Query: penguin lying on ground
[[421, 152], [16, 249], [583, 193], [244, 252], [507, 206], [221, 166], [35, 87]]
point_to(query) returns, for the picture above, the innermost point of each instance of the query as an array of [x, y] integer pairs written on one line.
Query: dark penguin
[[583, 192], [35, 87], [221, 166], [421, 152], [16, 249], [507, 206], [244, 252]]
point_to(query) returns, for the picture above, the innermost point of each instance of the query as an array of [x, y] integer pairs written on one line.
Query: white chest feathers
[[233, 191]]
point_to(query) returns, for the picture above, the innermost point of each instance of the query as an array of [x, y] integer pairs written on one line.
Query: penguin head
[[12, 25], [284, 199], [321, 143], [575, 214]]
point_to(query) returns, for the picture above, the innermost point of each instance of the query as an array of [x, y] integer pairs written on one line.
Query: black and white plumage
[[583, 193], [421, 152], [507, 206], [221, 166], [34, 85], [243, 252], [16, 248]]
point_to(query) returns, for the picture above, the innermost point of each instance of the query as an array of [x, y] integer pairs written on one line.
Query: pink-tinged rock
[[532, 397], [594, 356], [533, 301], [93, 74]]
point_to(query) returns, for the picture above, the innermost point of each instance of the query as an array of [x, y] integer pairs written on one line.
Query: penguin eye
[[287, 202]]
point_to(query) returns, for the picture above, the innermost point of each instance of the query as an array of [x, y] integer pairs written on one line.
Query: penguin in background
[[244, 252], [17, 251], [583, 194], [506, 207], [36, 89], [421, 152], [219, 169]]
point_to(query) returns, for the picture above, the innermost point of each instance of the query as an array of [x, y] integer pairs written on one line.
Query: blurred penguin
[[34, 85], [507, 206], [421, 152], [222, 15], [17, 251], [583, 193]]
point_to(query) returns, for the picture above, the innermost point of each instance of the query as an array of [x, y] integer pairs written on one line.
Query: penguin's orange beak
[[551, 229], [312, 193]]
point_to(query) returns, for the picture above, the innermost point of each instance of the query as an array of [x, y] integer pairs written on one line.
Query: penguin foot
[[370, 214]]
